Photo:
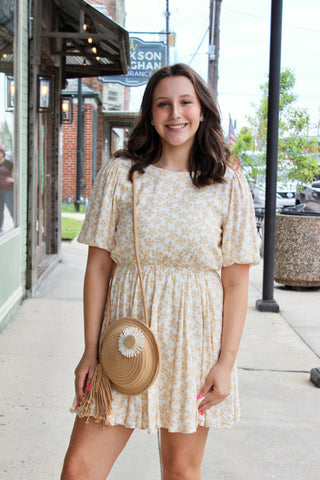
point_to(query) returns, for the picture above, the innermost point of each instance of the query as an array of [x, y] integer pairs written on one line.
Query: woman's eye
[[162, 104]]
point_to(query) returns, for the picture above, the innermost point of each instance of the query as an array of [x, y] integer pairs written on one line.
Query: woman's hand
[[216, 388], [84, 373]]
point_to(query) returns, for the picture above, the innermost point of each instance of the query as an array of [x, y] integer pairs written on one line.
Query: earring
[[201, 118], [152, 122]]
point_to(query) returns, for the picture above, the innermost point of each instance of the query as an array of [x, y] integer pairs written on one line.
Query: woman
[[197, 238]]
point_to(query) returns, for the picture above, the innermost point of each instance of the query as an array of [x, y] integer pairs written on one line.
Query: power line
[[299, 27], [200, 44], [182, 20]]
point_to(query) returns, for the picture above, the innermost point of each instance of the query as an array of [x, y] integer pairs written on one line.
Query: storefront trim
[[9, 308], [7, 236]]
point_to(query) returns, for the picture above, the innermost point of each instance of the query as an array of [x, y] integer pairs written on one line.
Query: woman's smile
[[179, 126]]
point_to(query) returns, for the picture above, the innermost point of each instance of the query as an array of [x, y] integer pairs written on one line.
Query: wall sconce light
[[45, 93], [66, 110], [10, 94]]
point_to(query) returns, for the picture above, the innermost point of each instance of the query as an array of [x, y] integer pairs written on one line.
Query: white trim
[[9, 304], [7, 236]]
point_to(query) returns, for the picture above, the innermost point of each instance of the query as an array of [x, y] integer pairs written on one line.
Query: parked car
[[309, 195], [286, 192]]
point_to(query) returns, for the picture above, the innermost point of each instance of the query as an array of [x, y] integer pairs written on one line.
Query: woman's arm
[[98, 271], [235, 280]]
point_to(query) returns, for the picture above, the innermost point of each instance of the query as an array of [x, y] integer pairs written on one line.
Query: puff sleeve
[[100, 223], [239, 233]]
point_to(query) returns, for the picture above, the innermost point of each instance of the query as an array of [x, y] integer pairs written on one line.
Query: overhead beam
[[79, 36], [103, 70]]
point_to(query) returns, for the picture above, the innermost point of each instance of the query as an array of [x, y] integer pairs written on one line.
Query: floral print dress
[[186, 234]]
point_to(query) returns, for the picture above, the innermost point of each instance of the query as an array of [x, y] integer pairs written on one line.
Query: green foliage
[[70, 228], [71, 208], [297, 150], [245, 149]]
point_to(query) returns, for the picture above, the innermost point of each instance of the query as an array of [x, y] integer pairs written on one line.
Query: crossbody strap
[[136, 248]]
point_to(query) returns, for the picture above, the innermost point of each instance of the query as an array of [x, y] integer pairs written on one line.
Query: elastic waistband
[[191, 270]]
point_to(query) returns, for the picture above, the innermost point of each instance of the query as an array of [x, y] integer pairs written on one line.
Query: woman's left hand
[[216, 388]]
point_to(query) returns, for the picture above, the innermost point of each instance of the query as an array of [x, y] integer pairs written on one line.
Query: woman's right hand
[[84, 373]]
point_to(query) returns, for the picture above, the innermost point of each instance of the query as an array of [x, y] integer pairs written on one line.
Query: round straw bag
[[130, 356], [129, 353]]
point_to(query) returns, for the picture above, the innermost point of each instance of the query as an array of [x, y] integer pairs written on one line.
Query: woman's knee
[[180, 470], [180, 467], [74, 467]]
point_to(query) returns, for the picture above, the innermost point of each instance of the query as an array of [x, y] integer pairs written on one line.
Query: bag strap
[[136, 248]]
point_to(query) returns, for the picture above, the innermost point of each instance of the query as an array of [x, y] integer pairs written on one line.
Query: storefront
[[13, 154], [42, 43]]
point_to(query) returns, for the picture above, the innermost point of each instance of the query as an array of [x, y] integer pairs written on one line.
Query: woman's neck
[[174, 159]]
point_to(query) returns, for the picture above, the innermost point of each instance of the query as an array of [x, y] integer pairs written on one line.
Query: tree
[[296, 158]]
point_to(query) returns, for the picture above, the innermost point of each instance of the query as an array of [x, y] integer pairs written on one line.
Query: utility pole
[[214, 44], [167, 32]]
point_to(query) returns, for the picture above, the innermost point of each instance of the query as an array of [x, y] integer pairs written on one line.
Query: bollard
[[315, 377]]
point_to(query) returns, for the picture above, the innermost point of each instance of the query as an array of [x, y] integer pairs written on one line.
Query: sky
[[244, 47]]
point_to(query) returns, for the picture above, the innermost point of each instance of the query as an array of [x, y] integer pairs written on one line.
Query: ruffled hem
[[205, 420]]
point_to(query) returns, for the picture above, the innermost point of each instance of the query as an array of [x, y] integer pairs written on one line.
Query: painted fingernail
[[77, 405], [201, 413], [88, 387], [199, 396]]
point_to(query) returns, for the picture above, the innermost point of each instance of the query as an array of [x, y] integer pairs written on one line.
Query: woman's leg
[[1, 208], [93, 450], [9, 199], [182, 454]]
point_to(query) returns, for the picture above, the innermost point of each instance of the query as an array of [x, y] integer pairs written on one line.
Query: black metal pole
[[79, 146], [268, 304]]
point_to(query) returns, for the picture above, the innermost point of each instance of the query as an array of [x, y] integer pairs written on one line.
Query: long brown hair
[[209, 155]]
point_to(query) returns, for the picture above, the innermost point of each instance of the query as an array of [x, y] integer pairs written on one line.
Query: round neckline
[[166, 170]]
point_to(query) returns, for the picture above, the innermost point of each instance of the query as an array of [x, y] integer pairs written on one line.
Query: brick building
[[92, 140]]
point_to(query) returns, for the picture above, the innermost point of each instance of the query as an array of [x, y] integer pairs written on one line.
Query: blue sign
[[146, 58]]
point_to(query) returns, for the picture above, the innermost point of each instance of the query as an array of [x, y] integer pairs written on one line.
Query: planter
[[297, 250]]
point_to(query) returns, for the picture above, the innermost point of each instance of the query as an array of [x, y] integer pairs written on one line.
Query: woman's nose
[[175, 111]]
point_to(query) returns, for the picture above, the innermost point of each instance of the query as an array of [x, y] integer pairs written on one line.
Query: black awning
[[90, 43]]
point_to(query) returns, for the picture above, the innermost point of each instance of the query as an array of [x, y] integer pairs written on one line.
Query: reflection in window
[[7, 102]]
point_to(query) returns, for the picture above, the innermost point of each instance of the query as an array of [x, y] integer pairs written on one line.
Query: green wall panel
[[10, 278]]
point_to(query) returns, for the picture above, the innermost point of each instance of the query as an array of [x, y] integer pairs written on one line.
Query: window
[[113, 101], [7, 112]]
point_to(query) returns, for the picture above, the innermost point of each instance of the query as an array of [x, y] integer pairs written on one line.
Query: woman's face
[[176, 111]]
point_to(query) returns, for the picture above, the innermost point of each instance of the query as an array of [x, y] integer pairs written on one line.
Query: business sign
[[146, 58]]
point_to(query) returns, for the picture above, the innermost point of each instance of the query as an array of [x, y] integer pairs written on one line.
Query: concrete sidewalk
[[277, 438]]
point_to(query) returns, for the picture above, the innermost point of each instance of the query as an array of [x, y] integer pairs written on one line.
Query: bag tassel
[[99, 396]]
